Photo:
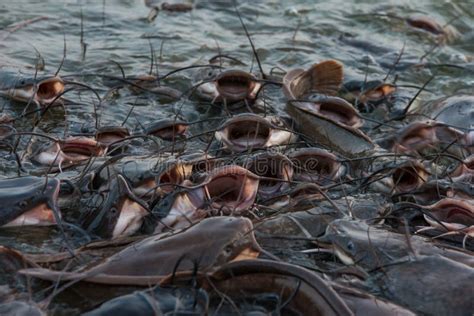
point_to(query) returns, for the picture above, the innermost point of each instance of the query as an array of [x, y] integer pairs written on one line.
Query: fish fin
[[50, 275], [325, 78]]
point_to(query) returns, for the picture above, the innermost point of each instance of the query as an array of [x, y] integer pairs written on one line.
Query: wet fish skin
[[18, 195]]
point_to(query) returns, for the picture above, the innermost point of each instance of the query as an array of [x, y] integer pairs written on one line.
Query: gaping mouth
[[235, 85], [49, 89], [338, 110], [249, 134], [174, 175], [378, 93], [453, 211], [270, 167], [416, 136], [167, 129], [246, 254], [81, 148], [109, 135], [409, 177], [231, 189], [316, 165]]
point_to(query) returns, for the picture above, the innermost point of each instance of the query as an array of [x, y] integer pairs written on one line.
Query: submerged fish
[[29, 201]]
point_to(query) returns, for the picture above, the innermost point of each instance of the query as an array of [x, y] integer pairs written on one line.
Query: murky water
[[94, 41]]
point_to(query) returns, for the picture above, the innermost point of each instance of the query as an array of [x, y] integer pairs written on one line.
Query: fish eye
[[23, 204], [113, 210], [228, 249], [350, 245]]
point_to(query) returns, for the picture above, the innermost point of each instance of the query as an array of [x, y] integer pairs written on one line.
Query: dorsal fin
[[325, 77]]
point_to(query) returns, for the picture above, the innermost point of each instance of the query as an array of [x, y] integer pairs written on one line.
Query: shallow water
[[287, 35]]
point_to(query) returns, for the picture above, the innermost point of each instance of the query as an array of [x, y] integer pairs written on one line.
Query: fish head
[[409, 176], [236, 85], [316, 165], [271, 166], [243, 132], [71, 151], [108, 135], [120, 213], [29, 201], [335, 109], [454, 214], [235, 239], [348, 239], [43, 91], [231, 189], [167, 129]]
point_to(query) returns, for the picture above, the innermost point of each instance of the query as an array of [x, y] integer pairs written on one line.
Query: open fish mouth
[[43, 91], [243, 132], [236, 85], [231, 189], [464, 170], [333, 108], [110, 134], [49, 89], [316, 165], [167, 129], [70, 151], [378, 93], [454, 214], [409, 176], [271, 166], [423, 135]]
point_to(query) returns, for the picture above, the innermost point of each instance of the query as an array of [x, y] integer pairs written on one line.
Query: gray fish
[[29, 201], [210, 243]]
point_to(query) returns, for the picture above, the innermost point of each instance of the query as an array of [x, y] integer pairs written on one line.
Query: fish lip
[[233, 176], [167, 129], [418, 130], [114, 133], [236, 93], [336, 171], [262, 126], [319, 103], [440, 208], [425, 23], [70, 151], [49, 89], [261, 163], [463, 169], [48, 198], [414, 169]]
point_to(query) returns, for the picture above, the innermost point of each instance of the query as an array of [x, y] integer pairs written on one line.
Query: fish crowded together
[[253, 190]]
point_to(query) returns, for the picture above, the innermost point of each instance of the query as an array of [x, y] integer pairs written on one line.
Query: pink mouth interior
[[80, 149], [229, 190], [338, 113], [457, 214], [50, 89]]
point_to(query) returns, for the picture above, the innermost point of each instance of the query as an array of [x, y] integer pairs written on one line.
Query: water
[[287, 35]]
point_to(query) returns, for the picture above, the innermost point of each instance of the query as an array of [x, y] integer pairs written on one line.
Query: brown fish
[[208, 244]]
